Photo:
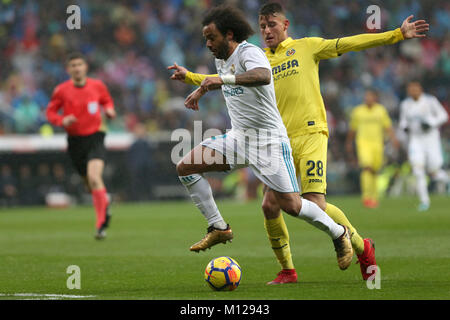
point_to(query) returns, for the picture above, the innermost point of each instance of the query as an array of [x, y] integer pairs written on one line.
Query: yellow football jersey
[[295, 69], [370, 123]]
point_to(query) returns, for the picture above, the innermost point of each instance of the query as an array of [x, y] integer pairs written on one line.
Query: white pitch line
[[44, 295]]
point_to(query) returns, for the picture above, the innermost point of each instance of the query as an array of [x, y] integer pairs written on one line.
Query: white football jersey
[[427, 109], [250, 107]]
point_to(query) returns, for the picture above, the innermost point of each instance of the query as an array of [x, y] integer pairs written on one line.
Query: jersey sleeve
[[438, 114], [197, 78], [403, 122], [387, 122], [106, 100], [353, 120], [325, 49], [252, 57], [53, 108]]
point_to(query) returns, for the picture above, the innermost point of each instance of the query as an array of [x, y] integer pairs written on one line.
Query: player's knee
[[418, 170], [270, 209], [292, 207], [181, 168]]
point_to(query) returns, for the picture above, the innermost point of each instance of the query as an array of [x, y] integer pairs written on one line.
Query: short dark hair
[[75, 55], [415, 81], [271, 8], [373, 91], [227, 18]]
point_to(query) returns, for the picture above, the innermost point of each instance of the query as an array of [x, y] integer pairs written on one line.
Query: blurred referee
[[80, 99]]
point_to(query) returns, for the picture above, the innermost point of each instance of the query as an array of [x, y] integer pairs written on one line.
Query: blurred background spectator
[[140, 163], [8, 187]]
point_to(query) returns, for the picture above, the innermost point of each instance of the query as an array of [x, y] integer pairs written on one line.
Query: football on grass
[[223, 274]]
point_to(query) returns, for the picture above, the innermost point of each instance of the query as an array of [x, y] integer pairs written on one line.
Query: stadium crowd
[[129, 44]]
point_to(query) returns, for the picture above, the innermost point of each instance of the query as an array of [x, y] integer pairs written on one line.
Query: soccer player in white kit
[[258, 138], [421, 115]]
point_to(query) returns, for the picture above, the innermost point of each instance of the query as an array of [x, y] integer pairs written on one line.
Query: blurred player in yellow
[[368, 123], [295, 70]]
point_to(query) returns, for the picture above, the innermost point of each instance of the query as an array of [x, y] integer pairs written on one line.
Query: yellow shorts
[[310, 159], [370, 155]]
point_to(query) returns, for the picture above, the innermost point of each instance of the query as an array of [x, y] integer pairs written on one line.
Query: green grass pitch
[[146, 254]]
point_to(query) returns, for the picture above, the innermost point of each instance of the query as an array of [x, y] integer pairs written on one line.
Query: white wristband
[[228, 79]]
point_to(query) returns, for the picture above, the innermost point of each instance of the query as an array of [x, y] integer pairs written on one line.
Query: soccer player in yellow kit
[[295, 69], [368, 123]]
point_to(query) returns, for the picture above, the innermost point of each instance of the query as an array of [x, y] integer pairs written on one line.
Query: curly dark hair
[[227, 18], [271, 8]]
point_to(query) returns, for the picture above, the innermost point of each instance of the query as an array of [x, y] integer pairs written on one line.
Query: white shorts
[[425, 151], [269, 157]]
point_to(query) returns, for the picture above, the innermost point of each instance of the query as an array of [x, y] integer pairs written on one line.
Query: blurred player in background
[[421, 115], [80, 100], [295, 66], [368, 123]]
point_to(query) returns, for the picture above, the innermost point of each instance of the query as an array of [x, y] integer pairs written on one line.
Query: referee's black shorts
[[82, 149]]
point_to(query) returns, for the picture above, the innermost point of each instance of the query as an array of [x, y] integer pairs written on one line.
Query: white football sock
[[201, 194], [441, 176], [421, 185], [311, 213]]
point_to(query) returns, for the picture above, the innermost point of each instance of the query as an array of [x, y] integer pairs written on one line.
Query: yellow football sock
[[367, 182], [279, 239], [374, 187], [339, 217]]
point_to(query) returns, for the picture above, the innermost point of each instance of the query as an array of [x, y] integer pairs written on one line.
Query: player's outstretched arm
[[252, 78], [184, 75], [335, 47]]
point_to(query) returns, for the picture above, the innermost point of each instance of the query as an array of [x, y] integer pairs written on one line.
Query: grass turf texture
[[146, 254]]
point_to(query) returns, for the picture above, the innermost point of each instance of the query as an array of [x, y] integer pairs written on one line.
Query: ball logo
[[290, 52]]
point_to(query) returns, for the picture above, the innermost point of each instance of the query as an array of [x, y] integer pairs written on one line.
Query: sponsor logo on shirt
[[285, 69], [232, 92], [93, 107]]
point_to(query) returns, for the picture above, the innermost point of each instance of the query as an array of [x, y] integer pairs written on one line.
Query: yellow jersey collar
[[285, 43]]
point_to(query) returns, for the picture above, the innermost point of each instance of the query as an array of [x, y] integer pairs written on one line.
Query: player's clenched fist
[[211, 83], [67, 121], [110, 113], [191, 101]]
